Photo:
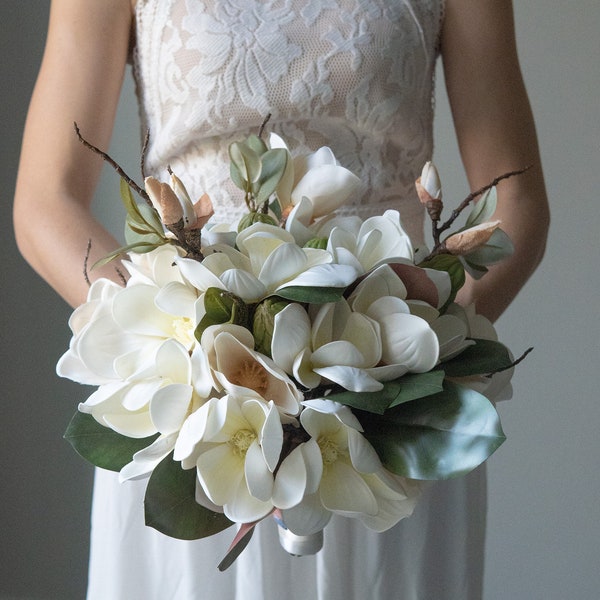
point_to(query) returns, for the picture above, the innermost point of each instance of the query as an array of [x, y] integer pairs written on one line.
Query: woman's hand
[[80, 80], [496, 134]]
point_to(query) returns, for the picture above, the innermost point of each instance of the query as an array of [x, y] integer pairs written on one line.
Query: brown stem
[[143, 156], [85, 262], [437, 231], [514, 363], [264, 124], [132, 184]]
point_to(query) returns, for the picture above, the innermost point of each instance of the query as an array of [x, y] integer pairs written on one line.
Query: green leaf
[[170, 504], [497, 248], [136, 234], [481, 358], [140, 248], [314, 295], [404, 389], [437, 437], [245, 165], [274, 163], [483, 210], [257, 144], [100, 445]]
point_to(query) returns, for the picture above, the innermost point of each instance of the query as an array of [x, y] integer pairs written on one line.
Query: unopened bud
[[471, 239], [164, 200], [429, 190]]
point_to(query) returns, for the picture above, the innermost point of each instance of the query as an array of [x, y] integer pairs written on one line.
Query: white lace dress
[[356, 75]]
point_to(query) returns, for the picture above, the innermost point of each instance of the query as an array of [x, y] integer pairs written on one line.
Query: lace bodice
[[355, 75]]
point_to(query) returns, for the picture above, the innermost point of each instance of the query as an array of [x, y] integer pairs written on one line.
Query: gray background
[[543, 483]]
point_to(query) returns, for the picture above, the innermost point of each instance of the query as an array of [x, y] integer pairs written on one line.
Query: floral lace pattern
[[356, 75]]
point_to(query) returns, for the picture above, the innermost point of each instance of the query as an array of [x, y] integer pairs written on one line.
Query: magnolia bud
[[471, 239], [164, 200], [430, 181], [264, 323], [189, 216], [429, 190]]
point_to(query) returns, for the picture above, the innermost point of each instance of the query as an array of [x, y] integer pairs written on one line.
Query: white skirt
[[436, 554]]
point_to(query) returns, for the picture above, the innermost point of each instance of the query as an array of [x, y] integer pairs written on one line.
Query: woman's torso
[[355, 75]]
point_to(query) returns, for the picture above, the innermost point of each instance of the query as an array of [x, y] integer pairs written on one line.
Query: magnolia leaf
[[141, 214], [245, 165], [100, 445], [404, 389], [256, 144], [275, 208], [170, 504], [497, 248], [136, 235], [312, 295], [139, 248], [481, 358], [475, 271], [483, 209], [274, 163], [241, 540], [418, 385], [437, 437]]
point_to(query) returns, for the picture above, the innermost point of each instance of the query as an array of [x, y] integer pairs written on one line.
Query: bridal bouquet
[[295, 365]]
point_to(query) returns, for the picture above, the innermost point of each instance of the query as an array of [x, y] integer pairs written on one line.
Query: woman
[[353, 74]]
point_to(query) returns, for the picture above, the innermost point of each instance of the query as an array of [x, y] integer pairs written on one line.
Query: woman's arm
[[79, 80], [496, 134]]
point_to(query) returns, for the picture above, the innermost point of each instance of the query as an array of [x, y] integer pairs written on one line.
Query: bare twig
[[513, 364], [264, 124], [132, 184], [144, 151], [437, 231], [121, 276], [85, 262]]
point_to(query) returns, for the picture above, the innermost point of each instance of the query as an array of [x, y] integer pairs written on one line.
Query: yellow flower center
[[183, 331], [253, 375], [241, 440], [330, 451]]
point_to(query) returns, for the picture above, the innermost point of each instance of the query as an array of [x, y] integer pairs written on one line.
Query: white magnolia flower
[[407, 339], [337, 344], [359, 343], [118, 331], [268, 261], [380, 239], [235, 443], [238, 369], [456, 330], [352, 481], [318, 177], [156, 400]]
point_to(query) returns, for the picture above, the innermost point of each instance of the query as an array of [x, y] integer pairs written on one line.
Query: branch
[[437, 231], [132, 184], [85, 262]]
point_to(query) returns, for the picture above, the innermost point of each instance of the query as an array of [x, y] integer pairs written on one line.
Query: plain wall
[[543, 518]]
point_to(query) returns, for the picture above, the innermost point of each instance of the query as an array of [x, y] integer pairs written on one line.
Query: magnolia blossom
[[235, 444], [352, 481], [318, 177], [380, 239], [268, 261], [456, 330], [238, 369], [336, 344], [359, 343]]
